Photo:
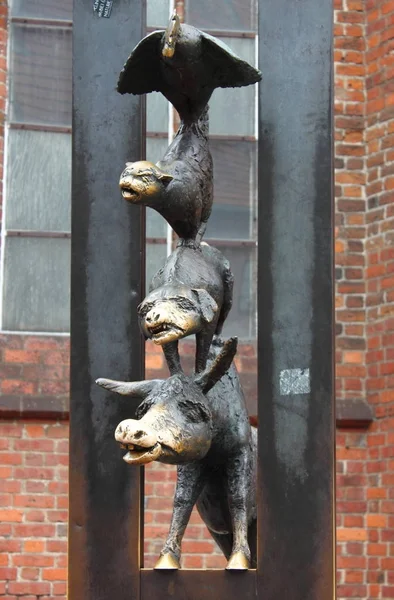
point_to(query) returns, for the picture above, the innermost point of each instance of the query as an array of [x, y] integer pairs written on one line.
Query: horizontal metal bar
[[232, 243], [150, 240], [231, 34], [156, 240], [194, 585], [37, 234], [233, 138], [23, 332], [40, 22], [225, 138], [211, 241], [40, 127], [218, 33], [157, 134]]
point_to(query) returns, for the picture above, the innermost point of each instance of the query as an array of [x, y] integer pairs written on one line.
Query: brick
[[54, 574], [154, 361], [35, 516], [11, 515], [376, 520], [21, 356], [35, 431], [33, 588], [353, 357], [34, 445], [41, 343], [11, 430], [42, 530], [37, 500], [10, 458], [12, 386], [7, 573], [56, 358], [56, 546]]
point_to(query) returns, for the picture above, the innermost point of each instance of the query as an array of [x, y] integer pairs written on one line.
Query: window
[[37, 221], [233, 139], [233, 224]]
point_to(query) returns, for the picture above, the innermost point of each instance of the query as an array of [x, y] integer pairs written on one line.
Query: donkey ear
[[207, 379], [137, 389], [207, 304]]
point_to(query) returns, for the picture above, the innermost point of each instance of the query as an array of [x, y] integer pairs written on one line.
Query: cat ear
[[165, 178]]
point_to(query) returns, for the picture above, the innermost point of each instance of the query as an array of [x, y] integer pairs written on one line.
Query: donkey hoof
[[168, 562], [238, 562]]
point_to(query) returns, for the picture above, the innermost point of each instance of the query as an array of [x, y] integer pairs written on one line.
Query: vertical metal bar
[[296, 414], [107, 284]]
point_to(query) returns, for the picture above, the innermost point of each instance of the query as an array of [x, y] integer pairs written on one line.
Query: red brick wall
[[350, 193], [33, 365], [365, 257], [380, 294], [33, 456], [33, 509]]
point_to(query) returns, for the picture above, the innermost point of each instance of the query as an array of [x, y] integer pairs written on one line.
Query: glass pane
[[157, 13], [222, 15], [156, 226], [41, 75], [156, 113], [155, 148], [36, 291], [39, 181], [232, 110], [156, 255], [43, 9], [241, 320], [234, 209]]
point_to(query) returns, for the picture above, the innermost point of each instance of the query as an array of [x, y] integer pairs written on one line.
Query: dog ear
[[207, 304], [136, 389], [207, 379], [165, 178]]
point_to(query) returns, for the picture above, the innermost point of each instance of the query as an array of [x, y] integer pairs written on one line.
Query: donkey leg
[[190, 482], [238, 476]]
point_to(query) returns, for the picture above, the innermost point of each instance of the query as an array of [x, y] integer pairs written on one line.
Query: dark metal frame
[[107, 285], [296, 537], [296, 479]]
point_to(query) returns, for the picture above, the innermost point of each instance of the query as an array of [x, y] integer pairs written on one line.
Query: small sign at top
[[103, 8]]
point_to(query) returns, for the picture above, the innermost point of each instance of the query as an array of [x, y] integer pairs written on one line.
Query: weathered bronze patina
[[191, 294], [186, 66], [199, 423], [180, 186]]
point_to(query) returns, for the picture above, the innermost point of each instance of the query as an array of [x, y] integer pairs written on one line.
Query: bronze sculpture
[[191, 293], [198, 422], [185, 65], [180, 186]]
